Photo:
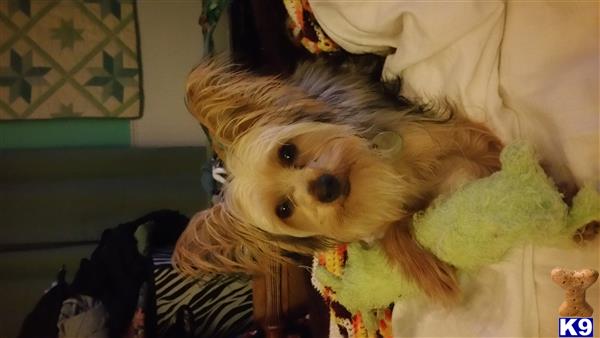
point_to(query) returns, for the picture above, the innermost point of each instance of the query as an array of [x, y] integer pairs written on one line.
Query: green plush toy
[[475, 226]]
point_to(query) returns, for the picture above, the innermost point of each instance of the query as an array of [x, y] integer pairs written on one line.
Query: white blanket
[[528, 70]]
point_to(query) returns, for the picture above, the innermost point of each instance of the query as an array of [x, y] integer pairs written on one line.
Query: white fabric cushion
[[528, 70]]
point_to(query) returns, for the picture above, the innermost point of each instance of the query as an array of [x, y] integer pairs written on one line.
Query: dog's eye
[[285, 209], [287, 154]]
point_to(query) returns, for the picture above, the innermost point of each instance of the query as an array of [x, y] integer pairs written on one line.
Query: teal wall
[[64, 133]]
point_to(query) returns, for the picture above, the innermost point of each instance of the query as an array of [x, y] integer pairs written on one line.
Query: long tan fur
[[215, 241], [331, 116]]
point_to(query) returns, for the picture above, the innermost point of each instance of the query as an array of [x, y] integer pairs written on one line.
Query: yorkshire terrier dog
[[307, 168]]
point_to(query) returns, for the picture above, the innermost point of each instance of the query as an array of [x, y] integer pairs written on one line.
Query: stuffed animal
[[473, 227]]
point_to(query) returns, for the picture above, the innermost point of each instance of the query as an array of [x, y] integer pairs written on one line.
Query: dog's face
[[303, 174], [311, 179]]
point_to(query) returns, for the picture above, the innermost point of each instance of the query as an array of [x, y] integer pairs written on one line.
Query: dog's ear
[[434, 277], [228, 101], [215, 242]]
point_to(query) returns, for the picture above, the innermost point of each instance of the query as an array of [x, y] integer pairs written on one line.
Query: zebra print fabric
[[218, 306]]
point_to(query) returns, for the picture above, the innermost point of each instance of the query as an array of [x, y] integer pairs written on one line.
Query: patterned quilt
[[69, 59]]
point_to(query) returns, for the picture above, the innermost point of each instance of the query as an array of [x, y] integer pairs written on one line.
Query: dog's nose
[[326, 188]]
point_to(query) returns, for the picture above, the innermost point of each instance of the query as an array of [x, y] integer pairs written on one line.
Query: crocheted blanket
[[350, 324]]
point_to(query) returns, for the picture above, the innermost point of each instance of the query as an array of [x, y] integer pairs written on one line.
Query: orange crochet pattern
[[350, 325], [305, 29]]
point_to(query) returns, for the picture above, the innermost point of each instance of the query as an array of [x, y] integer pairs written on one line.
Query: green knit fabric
[[481, 222], [366, 270], [475, 226]]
